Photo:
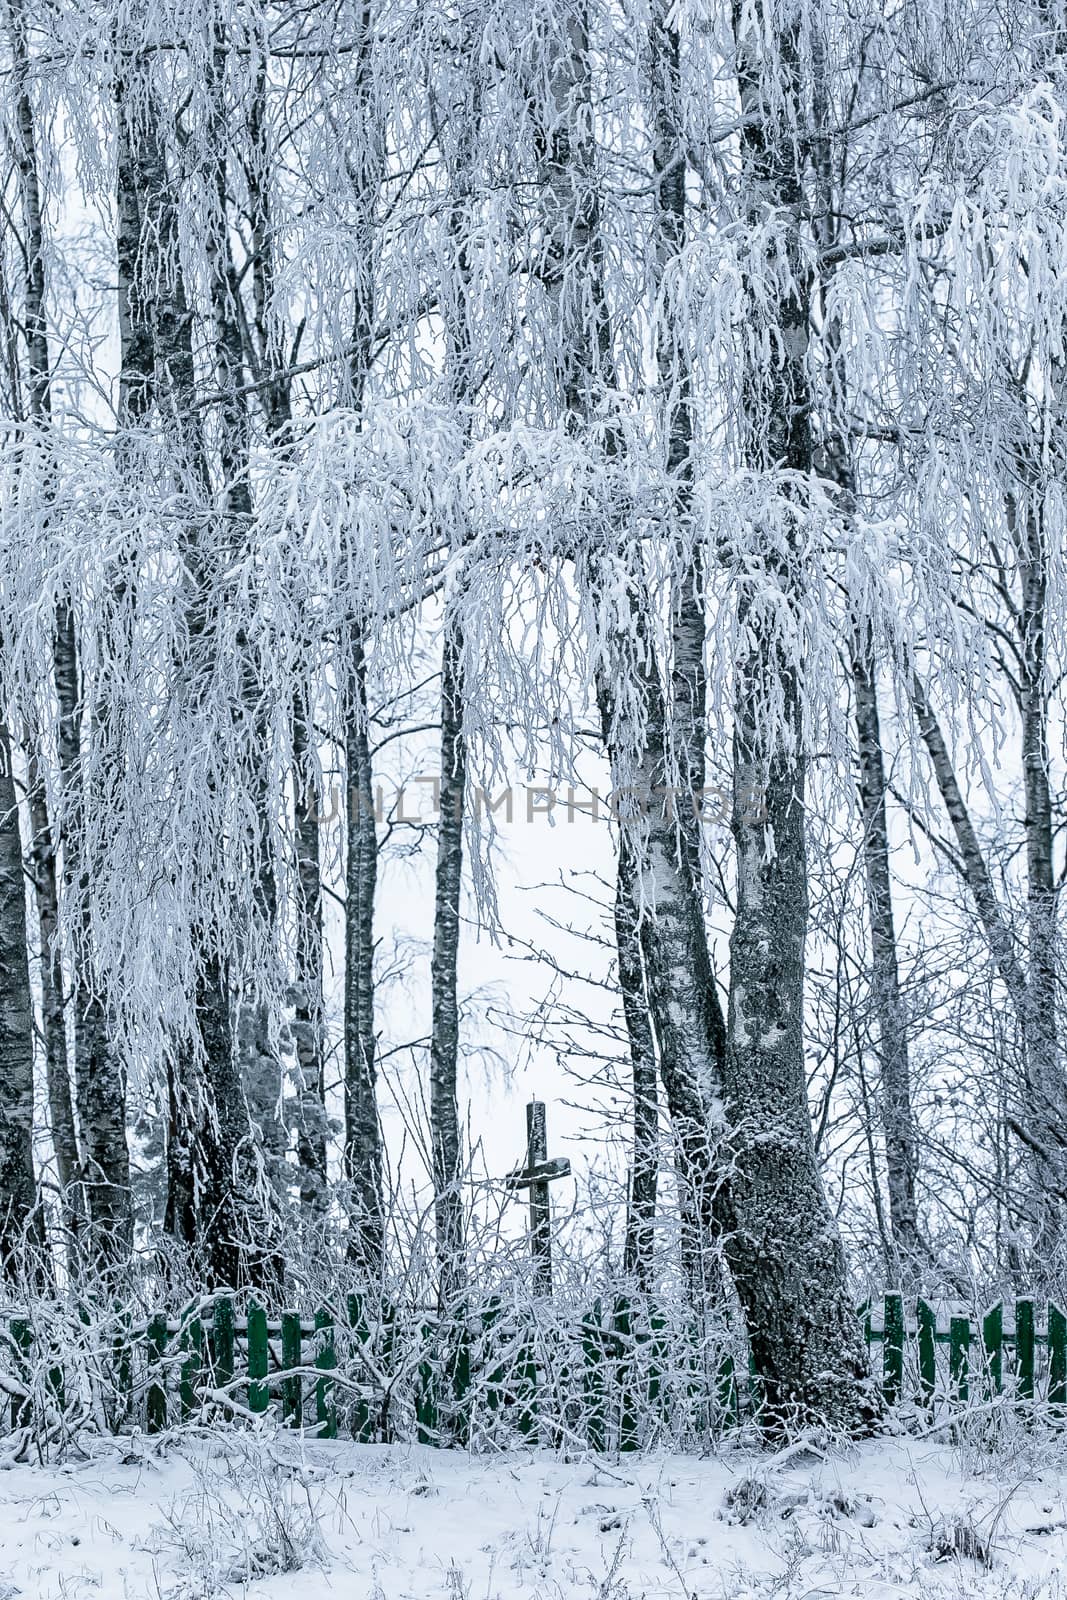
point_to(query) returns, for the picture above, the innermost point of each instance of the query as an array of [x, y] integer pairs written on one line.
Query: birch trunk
[[1047, 1109], [214, 1203], [901, 1145], [784, 1251], [99, 1074], [260, 1068], [656, 876], [276, 399], [362, 1161], [362, 1152], [18, 1185], [654, 879], [688, 623], [308, 1007], [444, 1039], [1041, 1125], [644, 1162], [43, 872], [43, 860]]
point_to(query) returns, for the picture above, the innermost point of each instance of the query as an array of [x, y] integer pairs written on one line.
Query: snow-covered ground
[[271, 1517]]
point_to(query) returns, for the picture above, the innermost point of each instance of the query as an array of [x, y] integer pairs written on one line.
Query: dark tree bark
[[215, 1200], [362, 1152], [362, 1163], [904, 1246], [1047, 1093], [19, 1218], [901, 1144], [98, 1071], [43, 857], [260, 1068], [42, 866], [1042, 1125], [458, 136], [276, 399], [656, 881], [784, 1251], [444, 1039], [656, 876], [307, 1019], [644, 1162], [688, 671]]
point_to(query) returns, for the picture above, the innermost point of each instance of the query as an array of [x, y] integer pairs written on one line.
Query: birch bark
[[784, 1250]]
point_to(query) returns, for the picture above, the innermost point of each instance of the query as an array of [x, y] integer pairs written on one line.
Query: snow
[[200, 1517]]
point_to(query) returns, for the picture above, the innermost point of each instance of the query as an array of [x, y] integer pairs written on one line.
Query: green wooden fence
[[608, 1376], [611, 1376], [934, 1352]]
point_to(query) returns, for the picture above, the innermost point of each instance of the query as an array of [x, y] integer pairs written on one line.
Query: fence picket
[[496, 1379], [959, 1342], [459, 1381], [121, 1397], [21, 1339], [993, 1345], [292, 1385], [156, 1398], [325, 1362], [192, 1342], [526, 1373], [1025, 1346], [926, 1321], [624, 1336], [357, 1321], [593, 1377], [426, 1418], [657, 1365], [893, 1348], [1057, 1356], [258, 1359], [222, 1343]]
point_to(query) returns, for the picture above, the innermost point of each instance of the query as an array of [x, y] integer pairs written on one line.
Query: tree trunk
[[904, 1249], [43, 859], [215, 1200], [644, 1164], [688, 626], [260, 1067], [1047, 1110], [784, 1250], [444, 1039], [362, 1152], [362, 1158], [42, 865], [1041, 1125], [901, 1145], [99, 1074], [657, 875], [308, 1007], [654, 878], [19, 1218]]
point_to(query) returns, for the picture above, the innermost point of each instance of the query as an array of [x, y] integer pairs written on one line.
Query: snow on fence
[[616, 1375], [940, 1351]]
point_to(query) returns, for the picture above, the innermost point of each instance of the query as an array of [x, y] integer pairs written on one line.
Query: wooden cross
[[536, 1176]]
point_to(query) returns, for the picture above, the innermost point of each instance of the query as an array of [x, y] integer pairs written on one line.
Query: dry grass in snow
[[270, 1516]]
